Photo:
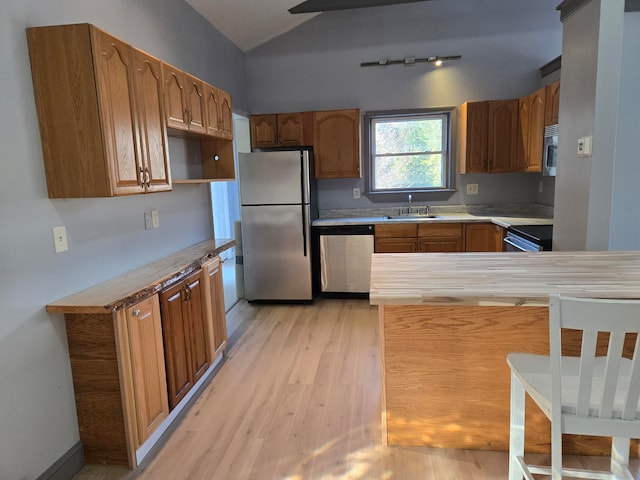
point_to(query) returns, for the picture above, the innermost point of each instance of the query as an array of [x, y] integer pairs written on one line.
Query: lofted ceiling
[[249, 23]]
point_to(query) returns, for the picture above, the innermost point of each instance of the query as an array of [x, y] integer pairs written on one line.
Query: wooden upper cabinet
[[488, 136], [212, 110], [336, 143], [552, 107], [531, 112], [483, 237], [474, 123], [154, 147], [281, 130], [184, 100], [502, 135], [97, 139], [264, 131], [226, 115]]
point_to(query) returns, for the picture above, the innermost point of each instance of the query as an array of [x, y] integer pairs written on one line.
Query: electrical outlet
[[60, 239], [356, 193], [472, 189], [155, 218], [148, 221]]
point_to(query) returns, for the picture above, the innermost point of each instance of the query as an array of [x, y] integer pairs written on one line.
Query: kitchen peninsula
[[447, 322]]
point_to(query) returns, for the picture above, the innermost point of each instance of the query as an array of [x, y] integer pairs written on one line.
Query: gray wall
[[596, 205], [316, 66], [106, 236]]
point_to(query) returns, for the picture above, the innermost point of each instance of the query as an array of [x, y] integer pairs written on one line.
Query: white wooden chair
[[585, 395]]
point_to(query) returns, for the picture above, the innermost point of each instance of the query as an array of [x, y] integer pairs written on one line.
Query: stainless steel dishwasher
[[345, 259]]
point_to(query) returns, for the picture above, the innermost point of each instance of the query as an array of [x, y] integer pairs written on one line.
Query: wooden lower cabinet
[[186, 336], [216, 317], [483, 237], [119, 379], [419, 237]]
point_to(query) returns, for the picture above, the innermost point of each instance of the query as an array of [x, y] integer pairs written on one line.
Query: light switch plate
[[155, 218], [584, 146], [148, 221], [356, 193], [60, 239]]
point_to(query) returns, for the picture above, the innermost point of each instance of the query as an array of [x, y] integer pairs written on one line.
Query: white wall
[[316, 66], [625, 211], [106, 236], [596, 196]]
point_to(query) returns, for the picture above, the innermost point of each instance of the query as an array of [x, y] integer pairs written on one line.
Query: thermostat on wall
[[584, 146]]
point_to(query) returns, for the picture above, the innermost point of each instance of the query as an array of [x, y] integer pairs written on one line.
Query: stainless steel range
[[528, 238]]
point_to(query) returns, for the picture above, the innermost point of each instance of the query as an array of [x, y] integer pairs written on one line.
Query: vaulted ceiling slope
[[249, 23]]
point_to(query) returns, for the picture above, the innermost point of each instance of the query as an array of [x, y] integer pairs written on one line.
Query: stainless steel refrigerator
[[278, 199]]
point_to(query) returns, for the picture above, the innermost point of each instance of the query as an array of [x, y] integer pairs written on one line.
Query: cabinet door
[[396, 245], [552, 103], [212, 109], [116, 100], [440, 244], [483, 237], [536, 131], [502, 135], [214, 293], [524, 119], [264, 131], [194, 303], [336, 143], [151, 122], [194, 91], [175, 98], [176, 343], [474, 118], [148, 366], [226, 115], [290, 129]]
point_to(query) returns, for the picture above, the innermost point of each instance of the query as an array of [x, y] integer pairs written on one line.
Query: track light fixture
[[436, 60]]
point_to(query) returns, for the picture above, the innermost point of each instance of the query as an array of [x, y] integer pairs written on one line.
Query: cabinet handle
[[147, 176], [142, 177], [188, 114], [187, 293], [136, 312]]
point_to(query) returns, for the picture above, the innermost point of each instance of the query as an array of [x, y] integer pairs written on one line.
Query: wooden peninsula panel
[[447, 323]]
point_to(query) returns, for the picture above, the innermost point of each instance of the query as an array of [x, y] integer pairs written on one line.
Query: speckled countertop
[[499, 219]]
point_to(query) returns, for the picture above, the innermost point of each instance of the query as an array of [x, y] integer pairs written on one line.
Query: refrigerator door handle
[[304, 229]]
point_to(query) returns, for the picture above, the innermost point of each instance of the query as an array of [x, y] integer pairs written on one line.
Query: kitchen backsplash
[[501, 209]]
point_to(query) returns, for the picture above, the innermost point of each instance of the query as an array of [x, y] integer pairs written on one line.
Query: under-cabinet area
[[105, 109], [140, 345]]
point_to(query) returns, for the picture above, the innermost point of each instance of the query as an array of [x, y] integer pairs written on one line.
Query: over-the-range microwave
[[550, 152]]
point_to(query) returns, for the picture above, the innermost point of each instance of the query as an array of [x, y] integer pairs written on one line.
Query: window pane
[[407, 136], [408, 171]]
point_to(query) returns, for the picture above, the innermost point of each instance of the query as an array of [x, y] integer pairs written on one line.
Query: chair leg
[[516, 433], [556, 447], [619, 455]]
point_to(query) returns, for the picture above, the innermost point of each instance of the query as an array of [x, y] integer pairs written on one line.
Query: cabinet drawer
[[439, 230], [396, 230]]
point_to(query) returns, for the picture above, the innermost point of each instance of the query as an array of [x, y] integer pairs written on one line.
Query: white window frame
[[448, 158]]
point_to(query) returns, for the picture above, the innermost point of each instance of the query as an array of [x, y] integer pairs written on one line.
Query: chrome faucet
[[409, 211]]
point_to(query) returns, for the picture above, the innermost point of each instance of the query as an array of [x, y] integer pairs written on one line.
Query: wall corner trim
[[66, 466], [569, 7]]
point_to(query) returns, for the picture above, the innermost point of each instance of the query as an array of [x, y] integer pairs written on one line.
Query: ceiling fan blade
[[310, 6]]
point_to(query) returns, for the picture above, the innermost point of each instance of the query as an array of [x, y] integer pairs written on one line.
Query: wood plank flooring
[[298, 397]]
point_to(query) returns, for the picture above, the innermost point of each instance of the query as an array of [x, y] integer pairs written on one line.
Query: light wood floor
[[298, 397]]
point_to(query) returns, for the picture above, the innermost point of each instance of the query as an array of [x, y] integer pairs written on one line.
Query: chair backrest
[[616, 317]]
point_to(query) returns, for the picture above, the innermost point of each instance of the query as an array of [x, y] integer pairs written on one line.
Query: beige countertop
[[131, 287], [510, 279], [503, 221]]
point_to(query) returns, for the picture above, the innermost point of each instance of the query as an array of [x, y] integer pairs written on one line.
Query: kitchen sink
[[412, 215]]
